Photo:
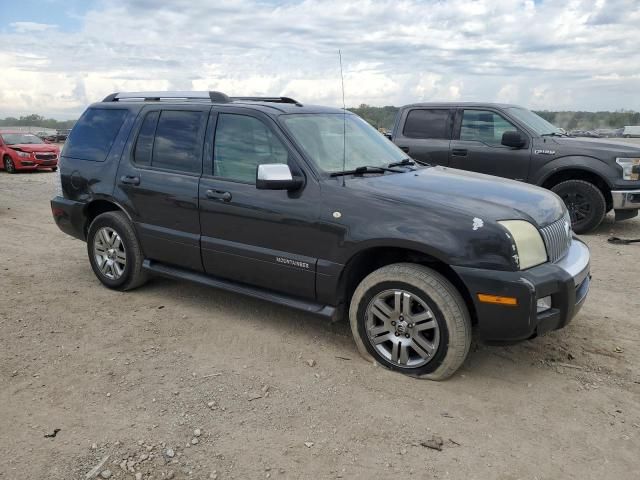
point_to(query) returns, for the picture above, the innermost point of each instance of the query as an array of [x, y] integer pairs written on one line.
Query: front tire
[[9, 166], [411, 319], [585, 202], [114, 252]]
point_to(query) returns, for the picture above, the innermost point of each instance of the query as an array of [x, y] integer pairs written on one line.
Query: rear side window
[[177, 145], [144, 143], [427, 124], [93, 135]]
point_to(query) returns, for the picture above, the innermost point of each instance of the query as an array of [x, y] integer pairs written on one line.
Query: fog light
[[543, 304]]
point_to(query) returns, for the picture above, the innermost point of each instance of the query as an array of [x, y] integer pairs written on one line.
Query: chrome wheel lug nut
[[393, 323], [397, 334], [407, 335]]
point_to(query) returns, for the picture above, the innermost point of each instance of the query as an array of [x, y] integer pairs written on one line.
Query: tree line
[[35, 120], [383, 117]]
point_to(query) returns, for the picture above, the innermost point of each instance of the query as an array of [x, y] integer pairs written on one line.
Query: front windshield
[[20, 138], [322, 138], [533, 121]]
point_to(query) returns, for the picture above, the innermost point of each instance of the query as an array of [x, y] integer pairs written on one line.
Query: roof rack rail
[[269, 99], [216, 97]]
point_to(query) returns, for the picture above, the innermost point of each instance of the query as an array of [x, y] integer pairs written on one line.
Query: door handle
[[219, 195], [130, 180], [459, 152], [405, 149]]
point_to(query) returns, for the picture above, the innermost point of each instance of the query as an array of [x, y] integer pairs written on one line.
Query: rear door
[[477, 145], [157, 182], [425, 134], [265, 238]]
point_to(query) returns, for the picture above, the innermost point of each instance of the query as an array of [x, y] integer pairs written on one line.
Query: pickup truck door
[[425, 134], [264, 238], [476, 145]]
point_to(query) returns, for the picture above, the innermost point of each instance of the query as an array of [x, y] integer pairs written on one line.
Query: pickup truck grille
[[557, 238]]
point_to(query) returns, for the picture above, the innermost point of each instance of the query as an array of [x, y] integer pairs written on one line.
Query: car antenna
[[344, 123]]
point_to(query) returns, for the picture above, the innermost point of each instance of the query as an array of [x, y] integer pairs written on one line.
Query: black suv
[[312, 208], [592, 177]]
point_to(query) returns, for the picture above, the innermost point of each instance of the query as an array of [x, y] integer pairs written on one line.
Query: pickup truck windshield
[[20, 138], [322, 138], [533, 121]]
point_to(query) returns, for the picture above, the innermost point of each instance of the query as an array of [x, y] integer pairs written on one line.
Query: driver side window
[[241, 144], [484, 126]]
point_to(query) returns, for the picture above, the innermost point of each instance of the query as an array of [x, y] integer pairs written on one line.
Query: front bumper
[[566, 282], [625, 199]]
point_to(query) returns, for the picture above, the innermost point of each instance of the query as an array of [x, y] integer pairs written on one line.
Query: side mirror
[[513, 139], [276, 176]]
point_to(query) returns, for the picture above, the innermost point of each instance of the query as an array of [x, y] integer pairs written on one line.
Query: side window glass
[[176, 144], [144, 143], [484, 126], [93, 135], [241, 144], [427, 124]]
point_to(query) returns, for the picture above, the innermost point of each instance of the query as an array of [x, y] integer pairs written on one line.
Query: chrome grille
[[557, 238]]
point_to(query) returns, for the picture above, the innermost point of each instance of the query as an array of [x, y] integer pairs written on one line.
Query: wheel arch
[[369, 259], [584, 174], [97, 207]]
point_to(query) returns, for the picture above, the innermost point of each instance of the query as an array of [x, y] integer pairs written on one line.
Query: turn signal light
[[506, 301]]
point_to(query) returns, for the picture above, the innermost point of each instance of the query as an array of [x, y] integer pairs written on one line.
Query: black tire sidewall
[[594, 197], [9, 162], [115, 223], [442, 350]]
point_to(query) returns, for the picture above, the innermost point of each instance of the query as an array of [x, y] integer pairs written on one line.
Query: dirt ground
[[175, 380]]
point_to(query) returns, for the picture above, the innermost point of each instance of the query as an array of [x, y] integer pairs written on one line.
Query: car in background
[[26, 151], [61, 135], [631, 131], [584, 133]]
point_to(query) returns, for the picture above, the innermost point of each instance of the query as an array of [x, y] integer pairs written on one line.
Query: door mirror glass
[[276, 176], [513, 139]]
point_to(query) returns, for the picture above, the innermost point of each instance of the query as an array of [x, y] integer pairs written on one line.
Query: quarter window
[[241, 144], [93, 135], [484, 126], [427, 124]]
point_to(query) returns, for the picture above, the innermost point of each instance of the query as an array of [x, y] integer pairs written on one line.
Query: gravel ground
[[179, 381]]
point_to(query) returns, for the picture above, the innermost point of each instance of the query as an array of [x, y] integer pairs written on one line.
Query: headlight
[[529, 246], [628, 170], [23, 154]]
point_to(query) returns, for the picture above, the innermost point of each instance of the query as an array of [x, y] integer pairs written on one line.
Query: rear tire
[[114, 252], [9, 166], [585, 202], [411, 319]]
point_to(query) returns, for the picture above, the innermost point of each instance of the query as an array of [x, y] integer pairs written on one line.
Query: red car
[[25, 151]]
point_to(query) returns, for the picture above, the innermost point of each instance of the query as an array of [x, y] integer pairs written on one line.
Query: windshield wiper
[[554, 134], [365, 169], [401, 163]]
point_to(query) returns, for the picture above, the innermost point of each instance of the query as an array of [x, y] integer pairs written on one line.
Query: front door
[[264, 238], [157, 182], [477, 146]]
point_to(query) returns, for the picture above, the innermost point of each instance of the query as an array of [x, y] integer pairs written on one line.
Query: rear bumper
[[69, 216], [566, 282], [625, 199]]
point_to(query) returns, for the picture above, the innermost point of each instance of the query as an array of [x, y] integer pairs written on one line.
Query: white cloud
[[579, 54]]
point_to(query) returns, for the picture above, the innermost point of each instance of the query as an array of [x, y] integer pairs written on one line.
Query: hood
[[475, 194], [34, 147], [597, 147]]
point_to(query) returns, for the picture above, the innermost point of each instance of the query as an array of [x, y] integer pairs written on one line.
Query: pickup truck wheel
[[114, 252], [411, 319], [585, 202], [9, 165]]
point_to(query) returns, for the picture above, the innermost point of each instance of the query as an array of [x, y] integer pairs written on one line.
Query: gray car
[[591, 177]]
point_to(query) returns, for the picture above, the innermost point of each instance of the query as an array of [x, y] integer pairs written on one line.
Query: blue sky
[[59, 55]]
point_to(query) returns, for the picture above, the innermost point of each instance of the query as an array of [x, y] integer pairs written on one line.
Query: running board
[[292, 302]]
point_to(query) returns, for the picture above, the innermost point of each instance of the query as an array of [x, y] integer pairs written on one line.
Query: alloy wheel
[[402, 328], [109, 252], [578, 206]]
